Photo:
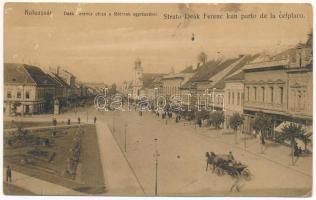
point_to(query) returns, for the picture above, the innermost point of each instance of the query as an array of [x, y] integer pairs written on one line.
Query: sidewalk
[[277, 153], [118, 175], [43, 127], [40, 187]]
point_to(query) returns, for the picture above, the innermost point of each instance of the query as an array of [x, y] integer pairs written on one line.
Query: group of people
[[68, 121]]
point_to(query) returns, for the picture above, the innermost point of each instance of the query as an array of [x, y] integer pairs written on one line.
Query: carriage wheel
[[246, 174], [234, 172]]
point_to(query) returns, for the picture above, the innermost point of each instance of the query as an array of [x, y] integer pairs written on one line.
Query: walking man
[[95, 119], [9, 174], [78, 120]]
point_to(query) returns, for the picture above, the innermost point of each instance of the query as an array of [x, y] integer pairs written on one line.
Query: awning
[[281, 126], [308, 129]]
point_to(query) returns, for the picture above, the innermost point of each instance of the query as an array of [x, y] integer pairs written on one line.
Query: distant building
[[62, 88], [69, 78], [143, 84], [207, 85], [137, 78], [234, 95], [27, 90], [171, 83]]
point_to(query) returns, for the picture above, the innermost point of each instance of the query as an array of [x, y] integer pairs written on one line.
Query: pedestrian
[[9, 174], [236, 183], [95, 119], [200, 123], [78, 120], [68, 122]]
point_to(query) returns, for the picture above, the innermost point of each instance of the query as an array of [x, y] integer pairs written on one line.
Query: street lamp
[[156, 155], [156, 90], [125, 129], [87, 113], [214, 98]]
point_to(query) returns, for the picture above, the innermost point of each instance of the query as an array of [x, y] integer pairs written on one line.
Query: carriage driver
[[230, 156]]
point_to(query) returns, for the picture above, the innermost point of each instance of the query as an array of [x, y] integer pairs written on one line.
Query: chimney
[[57, 70]]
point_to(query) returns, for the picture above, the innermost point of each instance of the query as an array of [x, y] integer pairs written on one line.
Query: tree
[[217, 118], [291, 132], [235, 122], [112, 90], [262, 125], [202, 57], [202, 114]]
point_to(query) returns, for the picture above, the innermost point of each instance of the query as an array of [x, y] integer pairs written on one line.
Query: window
[[247, 93], [27, 108], [9, 94], [255, 89], [233, 98], [263, 93], [299, 97], [18, 94], [271, 94], [27, 94], [238, 98], [228, 97], [281, 95], [303, 99]]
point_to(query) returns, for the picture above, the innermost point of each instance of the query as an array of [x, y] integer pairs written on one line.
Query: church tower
[[137, 80]]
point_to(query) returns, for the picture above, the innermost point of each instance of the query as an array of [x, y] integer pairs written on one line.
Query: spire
[[138, 64]]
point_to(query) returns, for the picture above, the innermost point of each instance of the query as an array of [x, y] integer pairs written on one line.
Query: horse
[[211, 157]]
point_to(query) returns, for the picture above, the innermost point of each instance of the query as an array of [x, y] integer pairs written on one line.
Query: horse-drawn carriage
[[223, 164]]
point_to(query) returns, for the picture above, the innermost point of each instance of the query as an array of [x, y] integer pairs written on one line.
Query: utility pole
[[113, 122], [125, 136], [87, 114], [156, 155]]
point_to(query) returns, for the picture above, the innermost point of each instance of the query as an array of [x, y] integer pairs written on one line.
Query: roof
[[149, 78], [38, 75], [212, 68], [58, 80], [236, 77], [15, 73], [202, 73], [280, 60], [61, 80], [246, 59]]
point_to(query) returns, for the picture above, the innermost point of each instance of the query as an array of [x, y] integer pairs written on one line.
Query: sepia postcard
[[158, 99]]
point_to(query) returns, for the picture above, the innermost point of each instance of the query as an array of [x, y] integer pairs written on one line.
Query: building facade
[[27, 90]]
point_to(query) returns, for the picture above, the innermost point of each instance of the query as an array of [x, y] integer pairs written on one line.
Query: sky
[[104, 48]]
